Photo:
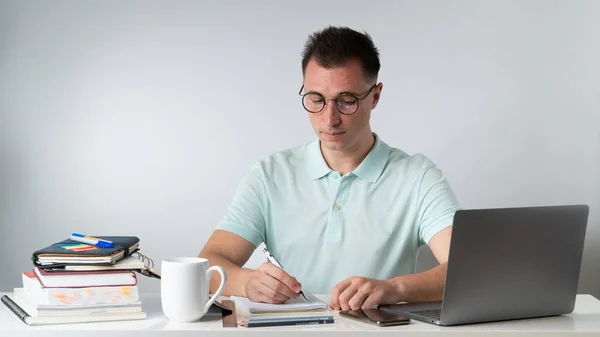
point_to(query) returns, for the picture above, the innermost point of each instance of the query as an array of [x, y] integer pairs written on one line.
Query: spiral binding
[[145, 259]]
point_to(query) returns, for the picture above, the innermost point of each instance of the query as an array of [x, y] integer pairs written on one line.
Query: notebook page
[[298, 304], [128, 262]]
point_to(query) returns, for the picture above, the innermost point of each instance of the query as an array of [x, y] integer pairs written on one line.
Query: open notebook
[[293, 305]]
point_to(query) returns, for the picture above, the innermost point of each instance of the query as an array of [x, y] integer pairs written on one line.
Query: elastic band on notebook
[[122, 245]]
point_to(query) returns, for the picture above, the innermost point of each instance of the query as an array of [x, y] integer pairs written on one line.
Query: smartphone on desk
[[375, 316]]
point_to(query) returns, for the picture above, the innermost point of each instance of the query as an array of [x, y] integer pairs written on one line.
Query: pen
[[274, 261], [286, 321], [91, 240]]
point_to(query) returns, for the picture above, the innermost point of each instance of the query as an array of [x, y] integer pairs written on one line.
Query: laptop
[[508, 263]]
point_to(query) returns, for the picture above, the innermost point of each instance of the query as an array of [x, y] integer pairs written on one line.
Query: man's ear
[[377, 94]]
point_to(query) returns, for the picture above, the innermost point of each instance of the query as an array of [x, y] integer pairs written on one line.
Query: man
[[346, 213]]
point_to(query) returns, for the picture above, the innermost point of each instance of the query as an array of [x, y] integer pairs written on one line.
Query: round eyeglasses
[[346, 103]]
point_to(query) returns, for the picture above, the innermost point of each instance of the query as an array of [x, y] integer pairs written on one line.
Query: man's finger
[[291, 283], [276, 286], [255, 293], [274, 297], [264, 298], [346, 295], [334, 299], [357, 300], [371, 301]]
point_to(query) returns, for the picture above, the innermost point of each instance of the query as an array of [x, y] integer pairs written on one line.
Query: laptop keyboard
[[433, 313]]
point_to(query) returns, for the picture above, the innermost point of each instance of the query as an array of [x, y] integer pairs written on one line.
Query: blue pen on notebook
[[91, 240]]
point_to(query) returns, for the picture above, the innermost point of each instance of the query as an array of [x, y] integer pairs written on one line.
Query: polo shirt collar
[[316, 164], [370, 168]]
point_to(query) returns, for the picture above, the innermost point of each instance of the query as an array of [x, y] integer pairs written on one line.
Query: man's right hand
[[271, 284]]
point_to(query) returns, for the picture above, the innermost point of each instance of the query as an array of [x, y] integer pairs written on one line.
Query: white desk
[[584, 321]]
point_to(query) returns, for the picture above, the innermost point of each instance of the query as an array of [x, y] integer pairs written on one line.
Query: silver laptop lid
[[511, 263]]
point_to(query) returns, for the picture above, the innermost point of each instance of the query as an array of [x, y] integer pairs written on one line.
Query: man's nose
[[331, 117]]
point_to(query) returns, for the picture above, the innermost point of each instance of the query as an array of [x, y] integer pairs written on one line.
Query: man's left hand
[[363, 293]]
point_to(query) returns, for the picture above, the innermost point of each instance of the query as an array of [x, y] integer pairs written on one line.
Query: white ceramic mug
[[184, 288]]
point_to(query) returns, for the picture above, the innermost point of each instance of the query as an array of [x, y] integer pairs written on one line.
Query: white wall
[[140, 117]]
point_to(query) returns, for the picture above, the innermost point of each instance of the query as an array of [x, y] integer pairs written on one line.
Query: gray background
[[140, 117]]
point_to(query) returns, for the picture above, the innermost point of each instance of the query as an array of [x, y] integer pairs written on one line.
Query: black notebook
[[69, 252]]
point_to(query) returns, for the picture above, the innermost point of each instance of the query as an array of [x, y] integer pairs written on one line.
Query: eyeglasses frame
[[358, 99]]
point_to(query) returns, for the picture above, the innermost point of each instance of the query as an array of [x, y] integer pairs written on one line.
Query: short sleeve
[[436, 204], [246, 214]]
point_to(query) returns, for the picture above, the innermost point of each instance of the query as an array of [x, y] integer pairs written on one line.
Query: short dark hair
[[333, 47]]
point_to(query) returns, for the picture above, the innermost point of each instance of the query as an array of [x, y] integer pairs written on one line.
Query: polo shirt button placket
[[335, 220]]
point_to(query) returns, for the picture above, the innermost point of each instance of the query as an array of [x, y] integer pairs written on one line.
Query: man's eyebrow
[[312, 92], [336, 95], [347, 92]]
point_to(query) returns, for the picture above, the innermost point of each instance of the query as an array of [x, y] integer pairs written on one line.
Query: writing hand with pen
[[271, 284]]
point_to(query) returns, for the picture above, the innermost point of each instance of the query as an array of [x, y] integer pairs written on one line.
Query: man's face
[[339, 132]]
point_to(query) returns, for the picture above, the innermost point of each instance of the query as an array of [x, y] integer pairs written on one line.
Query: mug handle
[[221, 286]]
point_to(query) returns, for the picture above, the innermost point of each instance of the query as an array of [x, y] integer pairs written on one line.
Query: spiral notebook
[[136, 261], [293, 305]]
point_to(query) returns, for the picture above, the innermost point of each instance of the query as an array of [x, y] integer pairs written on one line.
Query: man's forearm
[[236, 276], [422, 287]]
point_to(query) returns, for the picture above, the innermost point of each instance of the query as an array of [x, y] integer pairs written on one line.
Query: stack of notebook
[[72, 282]]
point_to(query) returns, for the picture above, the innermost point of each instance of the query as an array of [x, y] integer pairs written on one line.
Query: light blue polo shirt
[[324, 228]]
